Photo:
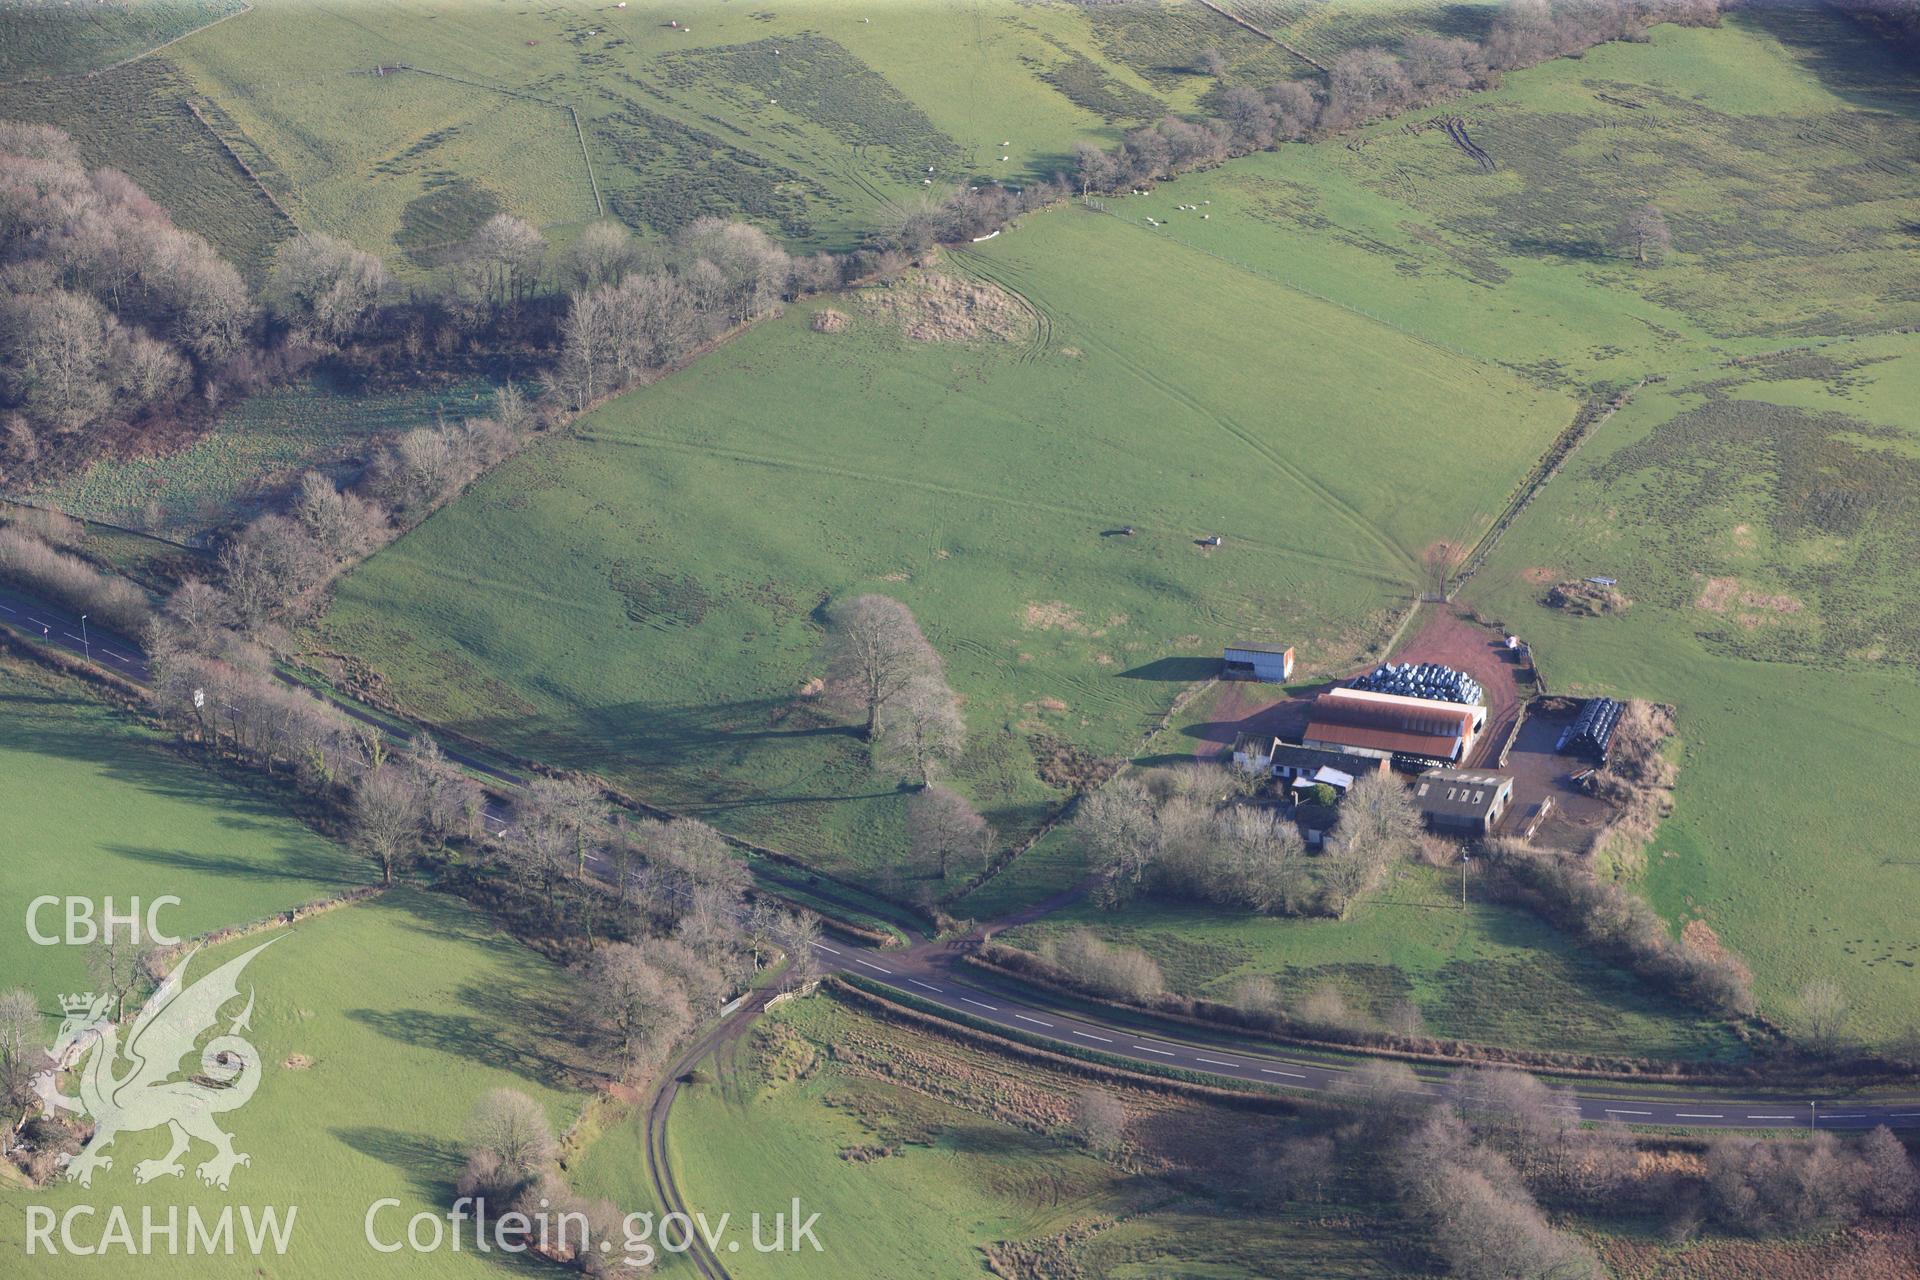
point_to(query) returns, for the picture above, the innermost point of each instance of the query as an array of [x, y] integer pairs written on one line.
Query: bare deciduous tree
[[875, 653], [388, 817], [21, 1055], [325, 286], [923, 729], [1119, 829], [1823, 1014], [944, 831], [1099, 1120], [1644, 232], [633, 1009], [114, 967], [511, 1130]]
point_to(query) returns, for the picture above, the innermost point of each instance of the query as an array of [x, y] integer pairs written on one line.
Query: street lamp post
[[1465, 858], [88, 644]]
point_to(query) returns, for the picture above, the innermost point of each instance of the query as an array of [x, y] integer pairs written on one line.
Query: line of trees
[[1367, 83], [636, 310], [1622, 927], [1176, 833]]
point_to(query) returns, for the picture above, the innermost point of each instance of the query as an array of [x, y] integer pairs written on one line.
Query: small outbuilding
[[1462, 802], [1257, 662]]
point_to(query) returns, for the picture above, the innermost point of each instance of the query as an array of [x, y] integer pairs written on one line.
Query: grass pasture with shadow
[[378, 1026], [641, 597]]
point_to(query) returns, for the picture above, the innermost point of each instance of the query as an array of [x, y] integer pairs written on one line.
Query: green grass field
[[407, 1009], [817, 139], [258, 447], [818, 120], [1487, 973], [974, 1164], [378, 1024], [1229, 373], [154, 824], [45, 41], [1772, 607], [640, 597]]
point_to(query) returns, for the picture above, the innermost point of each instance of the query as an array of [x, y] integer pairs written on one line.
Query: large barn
[[1388, 725]]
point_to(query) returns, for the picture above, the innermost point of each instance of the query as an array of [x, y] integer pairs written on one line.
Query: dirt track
[[1446, 637]]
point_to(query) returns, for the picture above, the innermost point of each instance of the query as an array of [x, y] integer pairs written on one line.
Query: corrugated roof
[[1438, 746], [1362, 710]]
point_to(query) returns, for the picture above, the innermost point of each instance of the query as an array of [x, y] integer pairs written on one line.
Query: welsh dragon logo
[[152, 1090]]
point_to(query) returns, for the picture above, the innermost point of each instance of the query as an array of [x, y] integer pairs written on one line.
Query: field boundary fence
[[1588, 420], [579, 131]]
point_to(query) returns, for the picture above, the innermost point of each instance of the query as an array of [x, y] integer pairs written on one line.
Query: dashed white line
[[1753, 1117], [1698, 1115], [117, 657], [1295, 1075], [832, 951], [1622, 1111], [1903, 1115], [928, 985], [1038, 1022], [1147, 1048], [1215, 1062], [981, 1004], [69, 635], [1088, 1035], [8, 608], [877, 968], [1847, 1115]]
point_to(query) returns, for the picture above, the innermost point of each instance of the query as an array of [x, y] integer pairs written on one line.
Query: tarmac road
[[930, 971]]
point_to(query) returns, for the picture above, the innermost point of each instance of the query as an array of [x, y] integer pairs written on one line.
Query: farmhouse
[[1388, 725], [1257, 662], [1290, 760], [1459, 802]]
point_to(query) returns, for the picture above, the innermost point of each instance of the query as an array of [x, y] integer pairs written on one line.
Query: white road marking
[[928, 985], [1752, 1117], [1038, 1022], [1698, 1115], [1088, 1035], [1215, 1062], [8, 608], [878, 968], [1147, 1048], [1903, 1115], [829, 950], [1848, 1115], [981, 1004], [1293, 1075], [1622, 1111], [35, 621], [117, 657], [69, 635]]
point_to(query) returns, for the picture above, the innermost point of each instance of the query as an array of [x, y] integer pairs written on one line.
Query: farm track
[[666, 1188], [1456, 129], [1040, 338]]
